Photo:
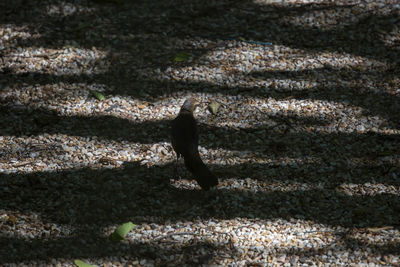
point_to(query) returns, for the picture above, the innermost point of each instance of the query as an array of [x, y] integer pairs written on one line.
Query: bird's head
[[190, 104]]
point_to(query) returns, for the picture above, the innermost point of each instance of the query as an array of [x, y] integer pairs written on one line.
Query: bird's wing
[[184, 134]]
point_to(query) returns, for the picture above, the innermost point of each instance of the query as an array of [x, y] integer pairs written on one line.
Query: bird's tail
[[204, 177]]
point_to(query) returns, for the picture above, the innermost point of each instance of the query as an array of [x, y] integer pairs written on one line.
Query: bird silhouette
[[184, 139]]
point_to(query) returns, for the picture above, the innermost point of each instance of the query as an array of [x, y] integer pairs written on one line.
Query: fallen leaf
[[122, 230], [80, 263], [180, 57], [98, 95], [214, 106]]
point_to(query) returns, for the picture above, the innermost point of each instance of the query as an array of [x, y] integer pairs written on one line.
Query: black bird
[[185, 139]]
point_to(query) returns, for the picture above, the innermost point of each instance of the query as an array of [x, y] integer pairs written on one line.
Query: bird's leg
[[176, 172]]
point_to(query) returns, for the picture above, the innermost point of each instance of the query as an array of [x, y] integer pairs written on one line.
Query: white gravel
[[305, 143]]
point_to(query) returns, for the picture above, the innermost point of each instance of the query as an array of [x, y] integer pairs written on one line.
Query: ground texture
[[305, 142]]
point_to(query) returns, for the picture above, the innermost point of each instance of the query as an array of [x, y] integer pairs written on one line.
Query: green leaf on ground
[[98, 95], [80, 263], [122, 230], [180, 57], [214, 106]]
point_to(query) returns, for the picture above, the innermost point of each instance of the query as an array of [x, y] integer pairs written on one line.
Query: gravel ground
[[305, 143]]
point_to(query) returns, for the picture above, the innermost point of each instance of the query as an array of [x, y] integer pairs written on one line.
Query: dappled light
[[298, 118]]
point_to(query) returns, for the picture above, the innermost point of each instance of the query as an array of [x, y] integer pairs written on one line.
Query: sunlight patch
[[67, 9], [66, 61]]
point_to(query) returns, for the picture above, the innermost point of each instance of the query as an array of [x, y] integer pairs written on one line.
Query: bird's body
[[185, 138]]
